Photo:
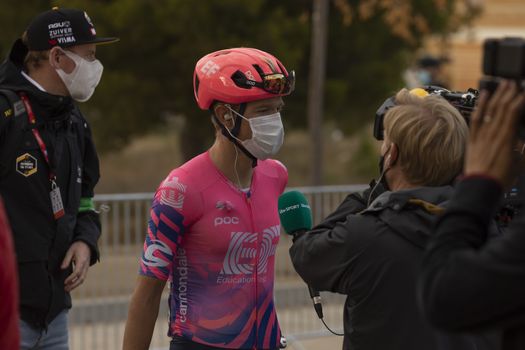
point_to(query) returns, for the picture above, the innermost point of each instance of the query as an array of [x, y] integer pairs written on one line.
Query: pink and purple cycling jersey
[[216, 245]]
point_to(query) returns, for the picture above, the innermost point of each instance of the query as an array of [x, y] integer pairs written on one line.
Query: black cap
[[428, 61], [64, 28]]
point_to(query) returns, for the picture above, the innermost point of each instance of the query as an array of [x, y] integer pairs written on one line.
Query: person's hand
[[493, 134], [79, 254]]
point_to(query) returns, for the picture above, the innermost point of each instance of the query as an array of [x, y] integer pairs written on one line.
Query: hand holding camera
[[493, 135]]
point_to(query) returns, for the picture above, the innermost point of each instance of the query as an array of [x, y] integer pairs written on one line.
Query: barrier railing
[[100, 306]]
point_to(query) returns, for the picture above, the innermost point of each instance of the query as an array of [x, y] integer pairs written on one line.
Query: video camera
[[464, 102], [504, 59]]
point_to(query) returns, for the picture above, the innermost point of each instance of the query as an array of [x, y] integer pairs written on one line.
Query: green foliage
[[367, 56], [364, 165], [148, 74]]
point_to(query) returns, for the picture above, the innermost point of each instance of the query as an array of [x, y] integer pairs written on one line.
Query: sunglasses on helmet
[[276, 83]]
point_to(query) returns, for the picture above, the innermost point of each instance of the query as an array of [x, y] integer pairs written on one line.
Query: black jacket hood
[[415, 225]]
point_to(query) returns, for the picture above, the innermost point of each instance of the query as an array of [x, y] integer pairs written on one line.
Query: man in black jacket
[[49, 167], [467, 282], [374, 256]]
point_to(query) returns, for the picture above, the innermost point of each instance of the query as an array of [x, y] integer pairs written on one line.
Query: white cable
[[235, 167], [375, 187]]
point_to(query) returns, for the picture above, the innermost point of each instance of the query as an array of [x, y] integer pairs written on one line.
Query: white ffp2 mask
[[84, 78]]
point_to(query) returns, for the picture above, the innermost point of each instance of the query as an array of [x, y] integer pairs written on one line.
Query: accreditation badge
[[56, 202]]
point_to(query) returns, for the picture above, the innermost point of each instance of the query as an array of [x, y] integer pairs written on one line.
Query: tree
[[371, 43], [148, 74]]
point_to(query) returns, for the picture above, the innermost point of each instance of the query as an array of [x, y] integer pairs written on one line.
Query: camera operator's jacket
[[374, 257], [488, 277], [41, 241]]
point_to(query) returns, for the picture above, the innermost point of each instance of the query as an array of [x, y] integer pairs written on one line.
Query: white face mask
[[267, 135], [83, 80]]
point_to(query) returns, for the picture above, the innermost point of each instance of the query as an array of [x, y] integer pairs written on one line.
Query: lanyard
[[39, 140], [54, 194]]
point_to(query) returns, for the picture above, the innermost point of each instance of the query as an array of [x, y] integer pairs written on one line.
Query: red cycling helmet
[[240, 75]]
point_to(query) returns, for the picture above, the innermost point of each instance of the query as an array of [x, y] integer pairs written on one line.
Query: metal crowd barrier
[[100, 306]]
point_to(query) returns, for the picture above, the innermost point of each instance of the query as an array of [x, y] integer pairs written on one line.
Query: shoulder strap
[[14, 100], [17, 121]]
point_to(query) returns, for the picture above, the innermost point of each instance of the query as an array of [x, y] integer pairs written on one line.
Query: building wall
[[500, 18]]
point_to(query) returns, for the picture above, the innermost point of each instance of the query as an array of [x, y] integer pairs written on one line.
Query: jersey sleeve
[[175, 207]]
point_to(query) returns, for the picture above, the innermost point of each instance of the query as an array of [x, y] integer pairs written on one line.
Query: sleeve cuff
[[480, 176], [95, 255]]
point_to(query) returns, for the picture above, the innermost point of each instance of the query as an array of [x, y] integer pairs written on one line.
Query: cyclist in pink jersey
[[214, 226]]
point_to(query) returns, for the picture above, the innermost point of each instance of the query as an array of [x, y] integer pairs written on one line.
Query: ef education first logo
[[244, 250]]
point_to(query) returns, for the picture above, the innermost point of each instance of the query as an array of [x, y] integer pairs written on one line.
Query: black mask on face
[[381, 164], [382, 173]]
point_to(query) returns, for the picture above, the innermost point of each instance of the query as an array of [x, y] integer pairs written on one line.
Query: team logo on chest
[[243, 250], [26, 165]]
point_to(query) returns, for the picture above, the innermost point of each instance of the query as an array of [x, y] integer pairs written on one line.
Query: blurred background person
[[374, 256], [214, 226], [431, 70], [428, 70], [469, 283]]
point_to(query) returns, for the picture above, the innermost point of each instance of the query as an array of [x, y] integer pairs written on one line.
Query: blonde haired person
[[373, 255], [416, 129]]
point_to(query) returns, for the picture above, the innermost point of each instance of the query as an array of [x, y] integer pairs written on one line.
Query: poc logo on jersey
[[226, 220]]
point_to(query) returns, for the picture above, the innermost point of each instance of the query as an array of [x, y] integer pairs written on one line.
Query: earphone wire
[[235, 148], [379, 180], [235, 168], [375, 187]]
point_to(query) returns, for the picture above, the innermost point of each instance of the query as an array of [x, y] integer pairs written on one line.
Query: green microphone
[[295, 213], [296, 218]]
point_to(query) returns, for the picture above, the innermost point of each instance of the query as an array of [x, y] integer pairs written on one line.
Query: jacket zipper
[[247, 199], [256, 271]]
